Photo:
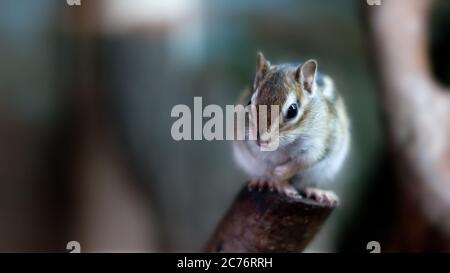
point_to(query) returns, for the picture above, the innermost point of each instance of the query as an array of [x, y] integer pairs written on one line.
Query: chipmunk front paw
[[282, 187], [259, 184], [285, 171]]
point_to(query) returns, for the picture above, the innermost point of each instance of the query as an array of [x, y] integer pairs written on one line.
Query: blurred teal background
[[85, 99]]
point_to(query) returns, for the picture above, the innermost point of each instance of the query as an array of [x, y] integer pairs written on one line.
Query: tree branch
[[268, 222]]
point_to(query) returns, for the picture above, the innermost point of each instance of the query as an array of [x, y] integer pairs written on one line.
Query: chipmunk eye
[[292, 111]]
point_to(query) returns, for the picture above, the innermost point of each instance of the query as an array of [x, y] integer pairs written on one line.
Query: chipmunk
[[313, 131]]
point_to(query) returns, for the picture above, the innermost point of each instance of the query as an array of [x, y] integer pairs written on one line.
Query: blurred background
[[85, 99]]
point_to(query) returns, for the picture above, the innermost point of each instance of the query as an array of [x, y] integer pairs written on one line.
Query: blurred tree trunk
[[112, 213], [417, 117]]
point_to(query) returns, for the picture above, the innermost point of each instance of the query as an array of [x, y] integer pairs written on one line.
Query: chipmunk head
[[288, 87]]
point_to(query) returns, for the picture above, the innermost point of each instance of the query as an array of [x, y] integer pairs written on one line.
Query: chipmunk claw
[[290, 191], [325, 197], [258, 184]]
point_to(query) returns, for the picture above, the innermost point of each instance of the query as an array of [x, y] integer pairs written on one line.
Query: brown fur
[[275, 87]]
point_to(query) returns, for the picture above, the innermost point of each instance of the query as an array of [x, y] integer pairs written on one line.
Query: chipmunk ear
[[305, 74], [262, 67]]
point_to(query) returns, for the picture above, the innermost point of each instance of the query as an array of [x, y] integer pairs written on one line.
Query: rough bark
[[268, 222]]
